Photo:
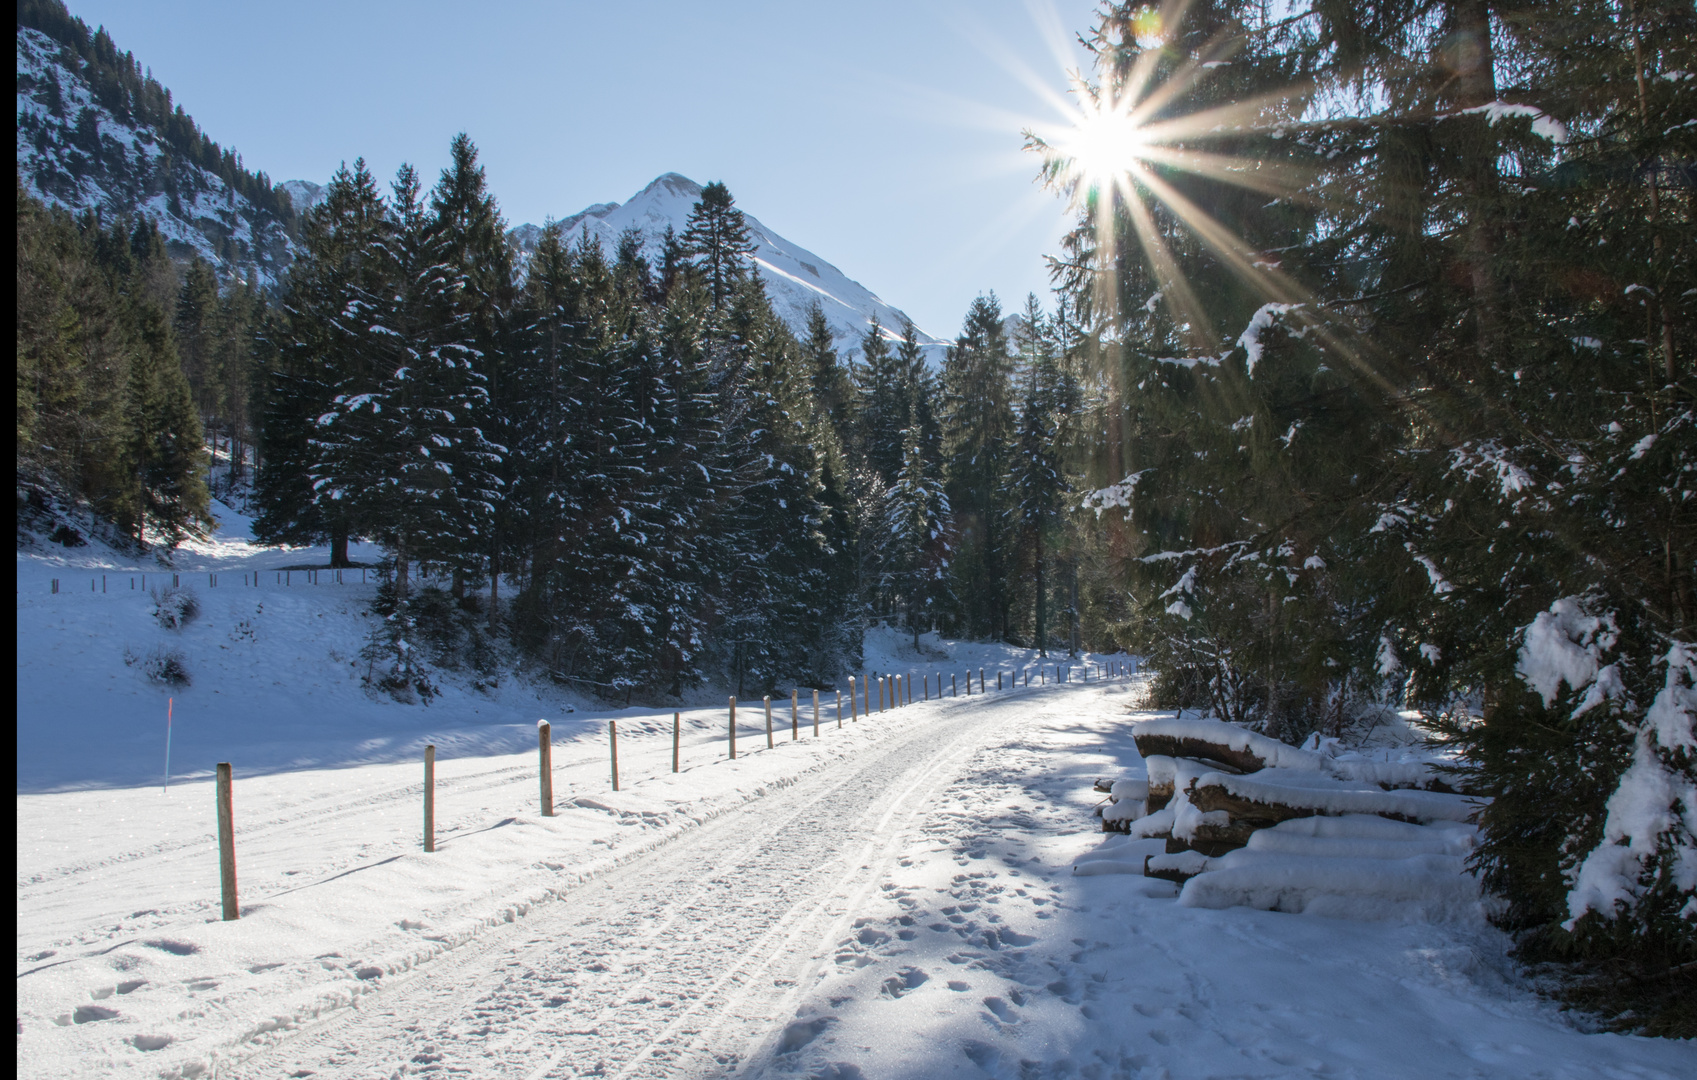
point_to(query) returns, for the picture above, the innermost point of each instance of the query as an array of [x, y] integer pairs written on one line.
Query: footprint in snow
[[903, 981], [798, 1033]]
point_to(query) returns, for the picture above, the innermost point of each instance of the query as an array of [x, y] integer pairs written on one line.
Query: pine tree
[[1035, 474], [977, 433], [916, 517], [884, 405], [314, 349], [833, 389], [717, 238], [466, 224]]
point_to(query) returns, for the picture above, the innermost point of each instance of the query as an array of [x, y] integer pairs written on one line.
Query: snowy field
[[894, 898]]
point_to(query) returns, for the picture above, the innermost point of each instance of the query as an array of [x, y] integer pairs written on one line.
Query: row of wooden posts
[[250, 579], [894, 691]]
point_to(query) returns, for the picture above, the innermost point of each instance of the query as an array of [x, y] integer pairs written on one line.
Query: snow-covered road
[[686, 961], [895, 898]]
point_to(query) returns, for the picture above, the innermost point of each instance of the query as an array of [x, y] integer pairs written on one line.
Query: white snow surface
[[895, 898]]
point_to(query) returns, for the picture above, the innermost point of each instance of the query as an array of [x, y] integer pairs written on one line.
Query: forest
[[1366, 384]]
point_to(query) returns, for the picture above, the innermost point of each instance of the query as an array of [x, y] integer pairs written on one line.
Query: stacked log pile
[[1271, 824]]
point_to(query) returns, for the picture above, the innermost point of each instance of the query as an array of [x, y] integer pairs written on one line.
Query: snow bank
[[1425, 887]]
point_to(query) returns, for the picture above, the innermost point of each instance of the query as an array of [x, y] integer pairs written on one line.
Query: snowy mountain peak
[[795, 277]]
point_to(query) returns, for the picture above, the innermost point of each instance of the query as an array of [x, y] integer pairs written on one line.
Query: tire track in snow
[[681, 962]]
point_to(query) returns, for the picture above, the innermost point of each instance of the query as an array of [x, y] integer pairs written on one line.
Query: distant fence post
[[816, 713], [998, 680], [795, 714], [613, 741], [954, 688], [767, 701], [55, 586], [733, 727], [227, 844], [430, 798], [677, 722], [840, 707], [545, 764], [854, 704]]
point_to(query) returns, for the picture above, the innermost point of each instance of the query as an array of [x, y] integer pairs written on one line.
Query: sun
[[1103, 146], [1123, 141]]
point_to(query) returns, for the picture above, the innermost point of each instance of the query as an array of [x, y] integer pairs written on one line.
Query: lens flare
[[1121, 143]]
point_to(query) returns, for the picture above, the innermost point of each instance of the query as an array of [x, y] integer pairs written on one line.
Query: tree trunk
[[339, 547], [1042, 601]]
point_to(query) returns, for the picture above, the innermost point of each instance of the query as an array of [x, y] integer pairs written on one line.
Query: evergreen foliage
[[104, 409], [1401, 437], [717, 239], [977, 428]]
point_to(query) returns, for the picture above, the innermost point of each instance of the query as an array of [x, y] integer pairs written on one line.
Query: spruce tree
[[884, 405], [466, 225], [717, 238], [977, 425], [833, 389], [315, 348], [916, 518]]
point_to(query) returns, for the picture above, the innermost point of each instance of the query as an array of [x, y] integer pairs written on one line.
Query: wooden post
[[227, 844], [795, 717], [980, 680], [969, 684], [430, 798], [613, 741], [676, 725], [733, 727], [545, 763], [816, 714], [854, 703], [766, 699], [866, 692], [954, 688], [998, 680], [882, 679], [840, 706]]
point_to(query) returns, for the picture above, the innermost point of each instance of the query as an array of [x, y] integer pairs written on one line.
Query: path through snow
[[892, 900]]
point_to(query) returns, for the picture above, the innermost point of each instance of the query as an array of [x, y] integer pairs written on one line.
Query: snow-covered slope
[[795, 277], [75, 152]]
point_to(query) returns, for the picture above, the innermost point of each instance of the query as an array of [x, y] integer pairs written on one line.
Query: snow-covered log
[[1218, 741], [1274, 797], [1177, 867]]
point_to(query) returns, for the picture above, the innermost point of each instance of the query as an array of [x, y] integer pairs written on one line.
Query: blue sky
[[883, 135]]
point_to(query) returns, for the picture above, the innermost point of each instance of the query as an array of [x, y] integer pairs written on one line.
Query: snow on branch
[[1250, 339], [1113, 495], [1650, 833], [1544, 125]]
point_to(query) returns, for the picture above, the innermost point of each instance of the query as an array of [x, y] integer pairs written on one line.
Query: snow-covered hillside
[[795, 277], [75, 152]]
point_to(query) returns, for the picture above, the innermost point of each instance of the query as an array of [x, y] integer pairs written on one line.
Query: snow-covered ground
[[275, 680], [892, 898]]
